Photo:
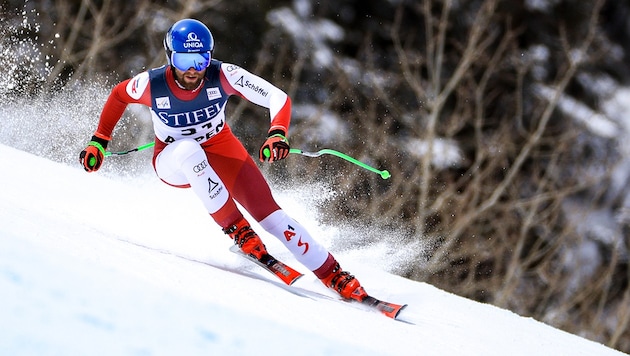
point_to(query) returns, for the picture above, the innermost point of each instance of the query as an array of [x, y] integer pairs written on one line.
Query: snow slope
[[98, 265]]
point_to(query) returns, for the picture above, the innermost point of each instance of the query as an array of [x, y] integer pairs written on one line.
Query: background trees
[[503, 124]]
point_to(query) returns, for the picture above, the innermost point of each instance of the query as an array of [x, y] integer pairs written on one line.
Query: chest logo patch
[[213, 93], [163, 102]]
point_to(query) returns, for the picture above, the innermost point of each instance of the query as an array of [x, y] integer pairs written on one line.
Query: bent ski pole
[[139, 148], [384, 174]]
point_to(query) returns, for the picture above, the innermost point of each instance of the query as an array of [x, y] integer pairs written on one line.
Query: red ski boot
[[246, 239], [344, 283]]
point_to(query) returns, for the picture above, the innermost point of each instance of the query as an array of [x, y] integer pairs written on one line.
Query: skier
[[195, 147]]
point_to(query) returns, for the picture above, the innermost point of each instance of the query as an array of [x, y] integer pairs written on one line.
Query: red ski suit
[[224, 151]]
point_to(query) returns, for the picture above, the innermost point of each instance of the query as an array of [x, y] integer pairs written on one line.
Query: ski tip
[[392, 310], [295, 279], [402, 307], [388, 309]]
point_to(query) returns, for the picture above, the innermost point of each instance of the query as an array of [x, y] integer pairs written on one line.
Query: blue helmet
[[188, 43]]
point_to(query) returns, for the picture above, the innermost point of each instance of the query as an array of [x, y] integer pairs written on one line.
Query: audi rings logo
[[192, 41], [200, 167]]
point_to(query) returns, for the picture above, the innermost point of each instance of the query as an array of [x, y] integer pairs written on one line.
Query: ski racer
[[195, 147]]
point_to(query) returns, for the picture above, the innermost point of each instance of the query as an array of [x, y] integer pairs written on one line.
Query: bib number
[[201, 135]]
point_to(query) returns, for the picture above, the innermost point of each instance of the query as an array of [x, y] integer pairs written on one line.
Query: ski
[[289, 275], [388, 309], [284, 272]]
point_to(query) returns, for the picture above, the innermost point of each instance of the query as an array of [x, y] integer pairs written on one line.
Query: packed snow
[[101, 264]]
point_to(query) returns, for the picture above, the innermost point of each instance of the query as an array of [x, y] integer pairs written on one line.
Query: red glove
[[275, 148], [92, 156]]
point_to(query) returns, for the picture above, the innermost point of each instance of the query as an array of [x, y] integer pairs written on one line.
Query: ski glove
[[92, 156], [275, 148]]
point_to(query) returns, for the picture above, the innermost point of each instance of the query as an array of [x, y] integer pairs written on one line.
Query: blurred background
[[504, 124]]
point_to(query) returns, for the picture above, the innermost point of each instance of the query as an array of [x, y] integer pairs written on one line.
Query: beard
[[190, 79]]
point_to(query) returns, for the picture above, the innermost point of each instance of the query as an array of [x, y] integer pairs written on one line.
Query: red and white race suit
[[196, 148]]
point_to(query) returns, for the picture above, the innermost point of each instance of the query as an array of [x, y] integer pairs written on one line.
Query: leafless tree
[[492, 225]]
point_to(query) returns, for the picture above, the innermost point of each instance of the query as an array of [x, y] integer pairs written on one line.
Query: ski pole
[[139, 148], [384, 174]]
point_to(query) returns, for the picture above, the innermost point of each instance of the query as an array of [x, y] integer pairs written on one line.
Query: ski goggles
[[184, 61]]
